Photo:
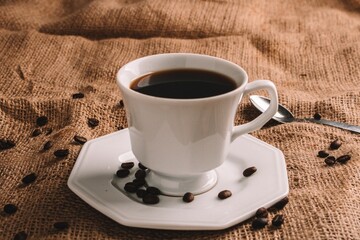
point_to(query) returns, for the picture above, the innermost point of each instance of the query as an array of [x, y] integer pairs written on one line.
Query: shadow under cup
[[181, 141]]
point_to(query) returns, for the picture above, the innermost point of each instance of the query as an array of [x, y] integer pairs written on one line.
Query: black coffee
[[183, 84]]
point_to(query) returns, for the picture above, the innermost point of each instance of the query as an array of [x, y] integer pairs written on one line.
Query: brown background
[[52, 49]]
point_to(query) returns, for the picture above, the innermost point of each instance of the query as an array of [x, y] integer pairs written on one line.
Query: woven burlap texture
[[50, 50]]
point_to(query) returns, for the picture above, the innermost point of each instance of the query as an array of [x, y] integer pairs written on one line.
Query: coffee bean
[[150, 198], [335, 144], [61, 153], [153, 190], [10, 208], [48, 131], [317, 116], [93, 122], [224, 194], [122, 173], [42, 121], [142, 166], [140, 193], [121, 103], [139, 182], [188, 197], [78, 95], [6, 144], [128, 165], [330, 160], [29, 178], [281, 204], [322, 154], [79, 139], [140, 174], [278, 220], [343, 159], [249, 171], [262, 213], [36, 132], [21, 236], [61, 225], [258, 223], [47, 145], [130, 187]]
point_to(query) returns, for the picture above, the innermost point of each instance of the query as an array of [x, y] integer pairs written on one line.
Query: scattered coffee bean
[[93, 122], [139, 182], [42, 121], [79, 139], [29, 178], [330, 160], [21, 236], [281, 204], [10, 208], [36, 132], [335, 144], [127, 165], [140, 193], [188, 197], [142, 166], [122, 173], [249, 171], [78, 95], [61, 153], [130, 187], [224, 194], [258, 223], [61, 225], [153, 190], [262, 213], [47, 145], [150, 198], [121, 103], [343, 159], [317, 116], [140, 174], [322, 154], [6, 144], [278, 220]]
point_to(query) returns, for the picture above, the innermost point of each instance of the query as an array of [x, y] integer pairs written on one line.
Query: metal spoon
[[283, 115]]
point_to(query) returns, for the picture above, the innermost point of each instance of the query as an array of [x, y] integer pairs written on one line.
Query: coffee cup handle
[[260, 121]]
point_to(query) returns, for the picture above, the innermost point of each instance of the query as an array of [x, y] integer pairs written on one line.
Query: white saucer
[[93, 179]]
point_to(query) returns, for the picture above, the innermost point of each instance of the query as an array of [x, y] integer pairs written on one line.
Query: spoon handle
[[345, 126]]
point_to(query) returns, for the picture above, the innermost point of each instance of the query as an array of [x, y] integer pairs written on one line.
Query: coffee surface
[[183, 84]]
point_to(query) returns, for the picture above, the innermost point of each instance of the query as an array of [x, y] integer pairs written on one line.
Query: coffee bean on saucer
[[10, 208], [249, 171], [61, 225], [139, 182], [281, 204], [330, 160], [153, 190], [278, 220], [42, 121], [150, 198], [142, 167], [130, 187], [127, 165], [78, 95], [343, 159], [36, 132], [188, 197], [262, 213], [335, 144], [122, 173], [140, 193], [80, 140], [322, 154], [29, 178], [93, 122], [20, 236], [61, 153], [140, 174], [224, 194], [47, 145], [258, 223], [317, 116], [6, 144]]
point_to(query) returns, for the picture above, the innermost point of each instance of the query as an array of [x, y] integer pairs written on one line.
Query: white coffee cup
[[182, 141]]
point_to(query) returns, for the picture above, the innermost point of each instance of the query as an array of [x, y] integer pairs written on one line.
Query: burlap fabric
[[50, 50]]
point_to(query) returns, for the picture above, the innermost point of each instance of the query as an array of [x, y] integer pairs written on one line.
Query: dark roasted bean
[[249, 171], [21, 236], [6, 144], [139, 182], [322, 154], [188, 197], [317, 116], [343, 159], [142, 167], [93, 122], [127, 165], [42, 121], [47, 145], [224, 194], [79, 139], [130, 187], [29, 178], [140, 193], [153, 190], [330, 160], [258, 223], [278, 220], [140, 174], [78, 95], [122, 173], [262, 213], [121, 103], [61, 153], [10, 208], [150, 198], [36, 132], [335, 144], [61, 225], [281, 204]]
